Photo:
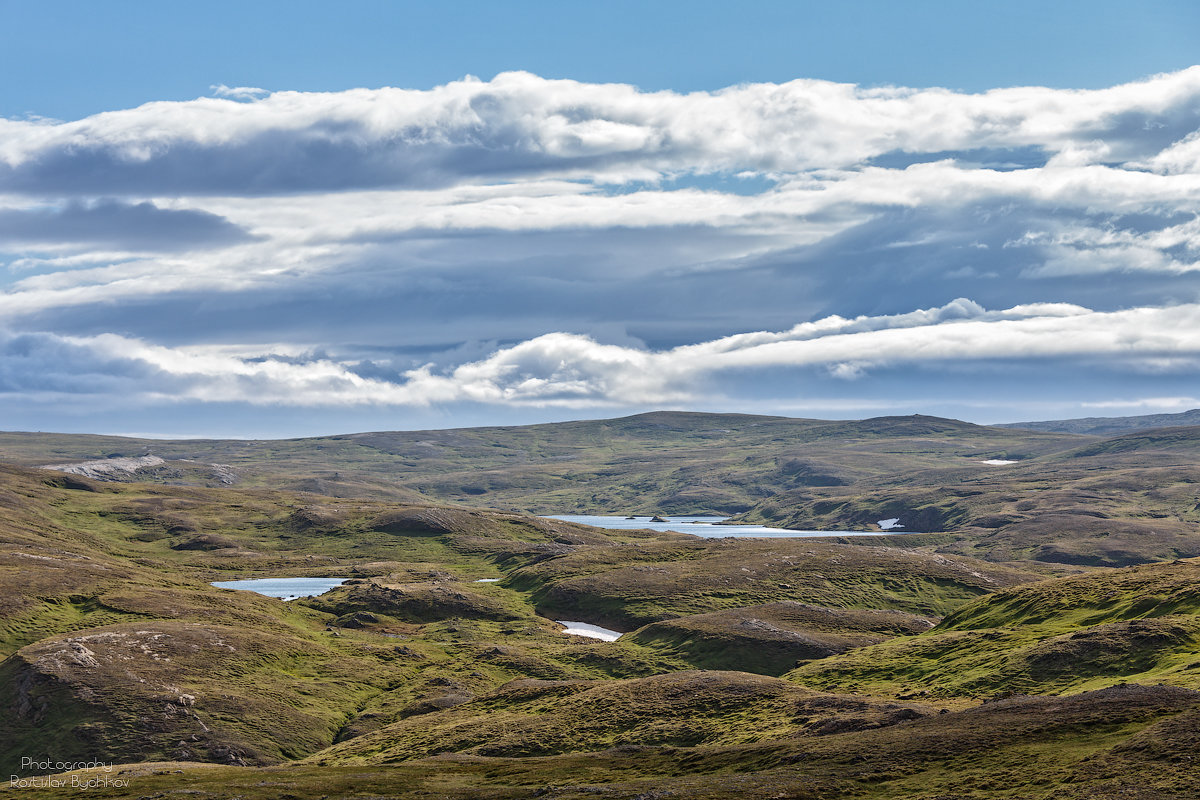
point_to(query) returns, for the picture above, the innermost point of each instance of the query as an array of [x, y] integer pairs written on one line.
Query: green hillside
[[1139, 624]]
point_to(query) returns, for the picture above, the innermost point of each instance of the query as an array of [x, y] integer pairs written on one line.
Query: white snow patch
[[591, 631]]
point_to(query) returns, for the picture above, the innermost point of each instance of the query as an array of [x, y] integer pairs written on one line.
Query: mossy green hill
[[679, 709], [771, 638], [1138, 624], [637, 583]]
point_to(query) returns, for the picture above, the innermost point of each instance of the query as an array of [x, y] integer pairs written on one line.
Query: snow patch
[[590, 631]]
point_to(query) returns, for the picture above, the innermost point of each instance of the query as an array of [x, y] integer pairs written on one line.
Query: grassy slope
[[679, 709], [771, 638], [640, 583], [1138, 624], [1125, 742]]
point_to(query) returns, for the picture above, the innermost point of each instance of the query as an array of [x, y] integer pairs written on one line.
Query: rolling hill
[[1110, 426], [1039, 639], [662, 462]]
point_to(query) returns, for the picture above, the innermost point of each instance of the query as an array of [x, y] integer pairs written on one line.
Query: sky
[[288, 219]]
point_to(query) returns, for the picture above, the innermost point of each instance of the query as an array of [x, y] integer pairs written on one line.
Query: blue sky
[[70, 59], [282, 219]]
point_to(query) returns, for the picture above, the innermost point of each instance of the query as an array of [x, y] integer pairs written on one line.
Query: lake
[[705, 527], [284, 588]]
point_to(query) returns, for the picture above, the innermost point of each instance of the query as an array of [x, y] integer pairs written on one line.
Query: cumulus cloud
[[568, 370], [1181, 157]]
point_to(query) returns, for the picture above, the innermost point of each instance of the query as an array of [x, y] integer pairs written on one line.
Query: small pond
[[284, 588]]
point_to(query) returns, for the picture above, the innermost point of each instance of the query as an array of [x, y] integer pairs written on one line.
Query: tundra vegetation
[[1036, 636]]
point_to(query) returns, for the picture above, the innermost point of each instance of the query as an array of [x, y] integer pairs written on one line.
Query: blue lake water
[[703, 526], [284, 588]]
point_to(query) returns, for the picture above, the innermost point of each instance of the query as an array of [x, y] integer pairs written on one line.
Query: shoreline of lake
[[707, 527]]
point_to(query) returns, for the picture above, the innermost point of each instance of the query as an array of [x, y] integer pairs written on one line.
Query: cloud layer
[[520, 126], [524, 242], [560, 369]]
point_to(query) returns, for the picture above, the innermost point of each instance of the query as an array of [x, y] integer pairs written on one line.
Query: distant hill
[[997, 493], [1107, 426], [663, 462]]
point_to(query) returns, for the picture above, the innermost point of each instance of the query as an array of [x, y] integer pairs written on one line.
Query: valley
[[1036, 635]]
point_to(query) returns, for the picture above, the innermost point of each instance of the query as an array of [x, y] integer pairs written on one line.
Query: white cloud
[[1181, 157], [521, 150], [566, 220], [303, 236], [568, 370], [522, 125]]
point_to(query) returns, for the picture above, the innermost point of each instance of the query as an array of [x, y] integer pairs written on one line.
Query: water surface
[[284, 588], [705, 527]]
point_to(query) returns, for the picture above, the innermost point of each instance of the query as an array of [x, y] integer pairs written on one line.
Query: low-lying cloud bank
[[568, 370]]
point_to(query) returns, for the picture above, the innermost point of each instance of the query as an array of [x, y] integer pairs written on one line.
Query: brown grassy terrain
[[901, 667], [1068, 498], [663, 462], [1127, 500], [1123, 742], [772, 638]]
